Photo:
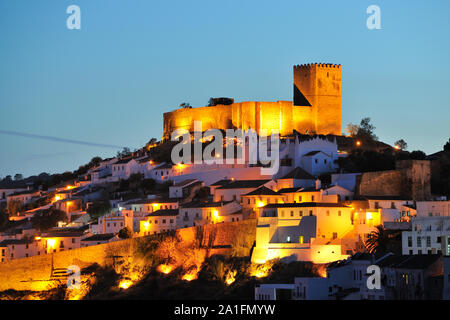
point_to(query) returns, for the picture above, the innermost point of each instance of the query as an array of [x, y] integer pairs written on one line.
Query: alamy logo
[[74, 20], [374, 20], [374, 280], [257, 146], [74, 279]]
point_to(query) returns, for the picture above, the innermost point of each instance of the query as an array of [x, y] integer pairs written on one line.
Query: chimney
[[318, 184]]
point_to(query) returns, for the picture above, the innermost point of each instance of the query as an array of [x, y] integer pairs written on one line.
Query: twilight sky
[[110, 82]]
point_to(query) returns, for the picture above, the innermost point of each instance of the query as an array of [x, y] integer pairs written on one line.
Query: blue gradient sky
[[110, 82]]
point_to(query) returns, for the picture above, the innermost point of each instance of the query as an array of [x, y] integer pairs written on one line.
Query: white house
[[181, 189], [432, 208], [307, 231], [316, 155], [428, 236], [99, 239], [19, 248], [114, 222], [345, 280], [124, 168], [162, 220], [234, 190], [197, 214]]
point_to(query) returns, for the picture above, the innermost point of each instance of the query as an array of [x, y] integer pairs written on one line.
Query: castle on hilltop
[[316, 108]]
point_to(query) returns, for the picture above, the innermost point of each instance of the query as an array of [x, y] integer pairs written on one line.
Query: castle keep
[[316, 108]]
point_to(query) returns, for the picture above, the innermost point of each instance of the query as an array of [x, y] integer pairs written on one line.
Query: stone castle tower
[[319, 86], [316, 108]]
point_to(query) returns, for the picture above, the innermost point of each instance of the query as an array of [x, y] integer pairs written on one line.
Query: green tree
[[418, 155], [48, 219], [366, 130], [18, 177], [352, 129], [98, 208], [382, 241], [14, 207], [124, 153], [447, 146], [377, 241], [125, 233], [401, 144]]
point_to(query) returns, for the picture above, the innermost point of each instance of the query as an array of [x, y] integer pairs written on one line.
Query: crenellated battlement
[[316, 65], [316, 107]]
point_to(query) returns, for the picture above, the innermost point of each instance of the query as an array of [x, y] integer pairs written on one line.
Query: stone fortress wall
[[316, 108]]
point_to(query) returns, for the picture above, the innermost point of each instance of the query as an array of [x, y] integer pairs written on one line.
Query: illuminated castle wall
[[316, 108]]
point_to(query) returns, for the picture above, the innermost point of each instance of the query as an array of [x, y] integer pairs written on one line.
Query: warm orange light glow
[[358, 143], [146, 225], [218, 155], [189, 277], [37, 238], [125, 284], [397, 147], [369, 215], [51, 243], [260, 204], [57, 198], [70, 187], [215, 214], [230, 277], [165, 268]]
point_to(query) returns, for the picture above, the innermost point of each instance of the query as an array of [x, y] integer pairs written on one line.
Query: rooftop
[[185, 183], [243, 184], [4, 243], [299, 174], [262, 191], [100, 237], [206, 204], [306, 205], [163, 213]]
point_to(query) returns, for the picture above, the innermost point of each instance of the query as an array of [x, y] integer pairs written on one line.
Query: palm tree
[[378, 240]]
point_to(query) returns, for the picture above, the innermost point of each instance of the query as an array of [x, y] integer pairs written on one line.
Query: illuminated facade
[[316, 108]]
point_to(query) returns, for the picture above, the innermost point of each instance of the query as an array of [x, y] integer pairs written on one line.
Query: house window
[[310, 212], [301, 213], [61, 245], [334, 235], [292, 213], [312, 198], [419, 241], [164, 221], [428, 241], [339, 213], [171, 220], [316, 161], [409, 241], [325, 161], [328, 213], [299, 198], [300, 239], [73, 240]]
